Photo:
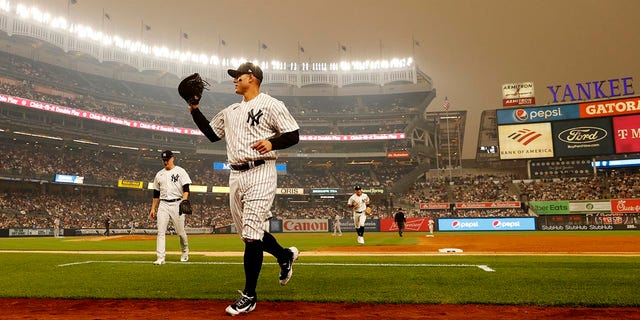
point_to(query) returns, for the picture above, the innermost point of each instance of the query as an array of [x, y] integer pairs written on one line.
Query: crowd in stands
[[160, 105], [82, 211], [30, 159], [88, 210]]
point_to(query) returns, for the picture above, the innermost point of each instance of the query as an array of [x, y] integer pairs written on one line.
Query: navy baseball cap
[[166, 155], [246, 68], [357, 188]]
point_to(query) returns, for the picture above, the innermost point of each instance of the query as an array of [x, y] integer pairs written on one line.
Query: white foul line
[[481, 266]]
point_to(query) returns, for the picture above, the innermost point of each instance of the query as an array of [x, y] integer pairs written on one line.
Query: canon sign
[[305, 225]]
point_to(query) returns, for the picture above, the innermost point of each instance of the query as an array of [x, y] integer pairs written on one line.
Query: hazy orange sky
[[470, 48]]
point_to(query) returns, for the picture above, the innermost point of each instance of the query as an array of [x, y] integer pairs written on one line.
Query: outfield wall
[[558, 222]]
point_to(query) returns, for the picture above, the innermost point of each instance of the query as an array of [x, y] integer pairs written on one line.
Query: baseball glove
[[367, 211], [185, 207], [191, 87]]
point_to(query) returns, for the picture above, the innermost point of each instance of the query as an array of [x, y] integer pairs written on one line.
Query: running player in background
[[359, 202], [254, 129], [171, 186]]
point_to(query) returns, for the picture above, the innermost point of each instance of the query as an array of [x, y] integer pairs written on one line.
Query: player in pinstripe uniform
[[254, 129], [359, 202], [171, 186]]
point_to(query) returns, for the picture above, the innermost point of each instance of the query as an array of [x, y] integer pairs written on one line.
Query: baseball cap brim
[[234, 73]]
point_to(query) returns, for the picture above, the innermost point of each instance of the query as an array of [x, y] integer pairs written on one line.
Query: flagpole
[[413, 47], [446, 108]]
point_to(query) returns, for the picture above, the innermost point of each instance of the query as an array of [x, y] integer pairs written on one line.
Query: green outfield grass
[[517, 280]]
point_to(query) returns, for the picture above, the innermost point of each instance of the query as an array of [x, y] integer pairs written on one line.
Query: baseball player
[[171, 186], [359, 202], [56, 227], [430, 227], [253, 129], [336, 225]]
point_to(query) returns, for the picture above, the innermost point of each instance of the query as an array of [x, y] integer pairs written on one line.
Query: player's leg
[[252, 250], [163, 222], [260, 189], [178, 222]]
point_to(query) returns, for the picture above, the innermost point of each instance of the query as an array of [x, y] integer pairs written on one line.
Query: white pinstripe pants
[[251, 195], [166, 211]]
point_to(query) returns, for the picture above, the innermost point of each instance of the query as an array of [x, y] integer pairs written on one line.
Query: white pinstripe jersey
[[170, 182], [362, 200], [245, 123]]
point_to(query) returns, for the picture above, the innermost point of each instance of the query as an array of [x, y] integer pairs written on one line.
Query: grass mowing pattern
[[593, 281]]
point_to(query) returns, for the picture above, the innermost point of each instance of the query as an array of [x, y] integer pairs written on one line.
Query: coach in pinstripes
[[254, 129]]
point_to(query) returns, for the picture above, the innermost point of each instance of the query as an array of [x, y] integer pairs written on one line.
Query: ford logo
[[582, 135]]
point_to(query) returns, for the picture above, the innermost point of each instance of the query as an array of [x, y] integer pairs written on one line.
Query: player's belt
[[246, 166], [359, 211], [171, 200]]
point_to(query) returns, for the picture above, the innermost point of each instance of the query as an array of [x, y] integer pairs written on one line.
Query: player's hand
[[262, 146], [152, 214], [192, 107]]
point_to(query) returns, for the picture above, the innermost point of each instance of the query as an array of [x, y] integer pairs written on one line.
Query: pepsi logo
[[521, 115], [455, 224], [496, 223]]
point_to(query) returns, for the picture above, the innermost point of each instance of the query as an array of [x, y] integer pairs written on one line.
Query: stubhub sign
[[486, 224]]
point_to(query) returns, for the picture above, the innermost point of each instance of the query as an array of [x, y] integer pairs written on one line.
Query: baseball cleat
[[286, 267], [360, 240], [244, 304], [184, 257], [158, 262]]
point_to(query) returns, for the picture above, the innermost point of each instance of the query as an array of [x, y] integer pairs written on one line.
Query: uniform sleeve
[[185, 177], [281, 119], [156, 185], [217, 123]]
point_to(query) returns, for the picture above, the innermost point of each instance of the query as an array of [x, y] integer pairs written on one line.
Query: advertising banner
[[549, 207], [66, 178], [130, 184], [397, 154], [582, 137], [412, 224], [290, 191], [324, 191], [518, 94], [219, 189], [525, 141], [625, 205], [538, 114], [486, 224], [370, 225], [197, 188], [488, 205], [305, 225], [596, 222], [610, 108], [590, 206], [434, 206], [626, 131]]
